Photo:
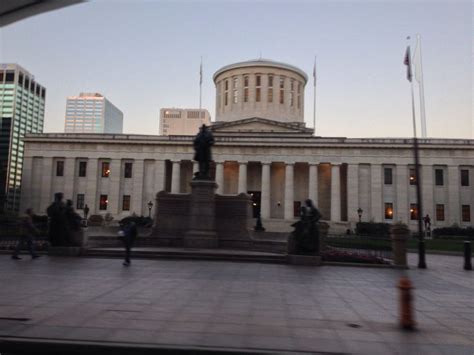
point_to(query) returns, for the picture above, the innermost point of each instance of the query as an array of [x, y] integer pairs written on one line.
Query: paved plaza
[[235, 306]]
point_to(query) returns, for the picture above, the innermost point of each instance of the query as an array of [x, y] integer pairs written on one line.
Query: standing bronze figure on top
[[202, 147]]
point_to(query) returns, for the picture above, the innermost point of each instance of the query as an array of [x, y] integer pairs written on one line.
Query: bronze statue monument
[[202, 147]]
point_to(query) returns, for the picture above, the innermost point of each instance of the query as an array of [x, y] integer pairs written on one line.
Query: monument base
[[200, 239], [308, 260]]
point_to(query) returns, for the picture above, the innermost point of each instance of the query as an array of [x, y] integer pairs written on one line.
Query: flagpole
[[200, 86], [314, 98], [421, 242], [421, 88]]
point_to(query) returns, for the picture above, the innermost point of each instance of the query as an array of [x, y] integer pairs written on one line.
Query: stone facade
[[282, 164]]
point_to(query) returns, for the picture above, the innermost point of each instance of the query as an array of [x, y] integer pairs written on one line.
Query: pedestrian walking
[[128, 235], [28, 231]]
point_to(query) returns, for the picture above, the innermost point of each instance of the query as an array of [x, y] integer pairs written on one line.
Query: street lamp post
[[359, 212], [150, 206]]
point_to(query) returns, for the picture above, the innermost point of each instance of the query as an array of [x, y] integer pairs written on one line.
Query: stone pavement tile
[[45, 331], [276, 321], [172, 326], [11, 327], [270, 343], [448, 338], [230, 318], [404, 337], [88, 333], [268, 330], [362, 335], [13, 310], [223, 340], [368, 347], [227, 328], [314, 333], [141, 324], [133, 336], [321, 345], [456, 349], [179, 338], [416, 349]]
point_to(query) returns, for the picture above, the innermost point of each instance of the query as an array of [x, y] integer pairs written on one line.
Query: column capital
[[242, 162], [266, 163], [289, 164], [313, 163]]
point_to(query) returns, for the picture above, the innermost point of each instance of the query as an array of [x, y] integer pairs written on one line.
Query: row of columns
[[265, 186]]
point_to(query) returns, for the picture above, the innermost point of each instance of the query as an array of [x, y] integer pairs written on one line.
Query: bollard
[[467, 255], [421, 255], [406, 308]]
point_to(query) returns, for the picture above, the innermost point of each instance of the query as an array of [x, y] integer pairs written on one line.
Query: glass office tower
[[21, 111]]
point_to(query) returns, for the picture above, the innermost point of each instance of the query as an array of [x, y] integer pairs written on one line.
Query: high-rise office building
[[92, 113], [179, 121], [21, 111]]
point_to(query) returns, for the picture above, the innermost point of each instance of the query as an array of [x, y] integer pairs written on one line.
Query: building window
[[464, 177], [128, 170], [82, 168], [60, 168], [270, 89], [412, 177], [282, 89], [80, 202], [298, 98], [466, 213], [226, 93], [292, 86], [387, 176], [258, 95], [246, 88], [414, 211], [103, 202], [440, 212], [126, 203], [389, 210], [235, 92], [105, 169], [439, 181]]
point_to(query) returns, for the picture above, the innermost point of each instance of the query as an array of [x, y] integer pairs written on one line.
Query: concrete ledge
[[308, 260], [66, 251], [380, 266]]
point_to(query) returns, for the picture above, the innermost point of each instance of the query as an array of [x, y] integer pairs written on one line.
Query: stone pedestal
[[202, 216], [399, 234]]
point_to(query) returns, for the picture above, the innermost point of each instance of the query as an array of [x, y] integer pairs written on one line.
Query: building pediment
[[257, 125]]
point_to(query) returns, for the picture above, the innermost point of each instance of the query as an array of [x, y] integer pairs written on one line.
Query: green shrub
[[96, 220], [372, 228], [454, 232], [140, 221]]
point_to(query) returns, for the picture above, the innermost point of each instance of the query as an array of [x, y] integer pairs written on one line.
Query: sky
[[145, 55]]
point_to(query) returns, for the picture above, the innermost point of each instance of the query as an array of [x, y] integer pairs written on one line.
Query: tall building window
[[105, 169], [103, 202], [126, 203], [466, 213], [440, 212], [226, 92], [388, 210], [258, 83], [80, 202], [128, 170], [246, 88], [282, 89], [414, 211], [60, 168], [464, 177], [298, 98], [412, 177], [270, 89], [82, 168], [292, 93], [387, 176], [439, 181], [235, 90]]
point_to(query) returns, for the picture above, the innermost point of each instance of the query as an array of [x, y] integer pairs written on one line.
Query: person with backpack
[[28, 233]]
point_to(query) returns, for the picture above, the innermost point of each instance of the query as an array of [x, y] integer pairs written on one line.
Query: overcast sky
[[144, 55]]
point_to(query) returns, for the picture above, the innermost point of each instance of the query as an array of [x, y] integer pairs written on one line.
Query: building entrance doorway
[[256, 196]]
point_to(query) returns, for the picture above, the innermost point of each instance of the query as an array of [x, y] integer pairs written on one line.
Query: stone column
[[289, 191], [376, 194], [402, 181], [335, 193], [69, 178], [353, 192], [90, 197], [46, 182], [176, 177], [26, 199], [220, 177], [160, 168], [427, 191], [114, 205], [265, 197], [313, 183], [453, 194], [242, 178], [137, 195]]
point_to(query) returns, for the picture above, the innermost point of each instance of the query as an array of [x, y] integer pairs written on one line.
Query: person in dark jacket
[[129, 234], [28, 233]]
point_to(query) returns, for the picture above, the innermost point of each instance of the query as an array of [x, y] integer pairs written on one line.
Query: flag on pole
[[417, 61], [314, 72], [407, 62], [200, 73]]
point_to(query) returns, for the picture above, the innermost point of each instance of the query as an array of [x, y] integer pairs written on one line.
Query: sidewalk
[[217, 306]]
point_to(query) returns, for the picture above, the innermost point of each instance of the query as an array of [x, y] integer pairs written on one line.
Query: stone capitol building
[[263, 149]]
